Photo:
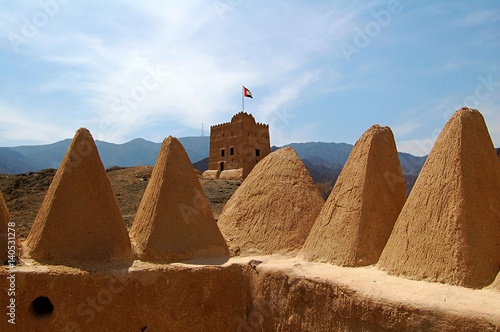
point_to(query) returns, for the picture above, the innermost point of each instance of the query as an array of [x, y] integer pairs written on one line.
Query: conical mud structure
[[174, 221], [274, 208], [496, 283], [79, 218], [449, 228], [357, 219], [4, 237]]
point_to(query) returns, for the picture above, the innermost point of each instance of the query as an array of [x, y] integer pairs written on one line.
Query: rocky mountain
[[321, 173], [324, 176], [43, 156], [332, 155], [323, 160], [201, 165], [320, 153]]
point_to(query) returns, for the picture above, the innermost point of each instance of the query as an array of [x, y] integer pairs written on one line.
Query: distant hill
[[44, 156], [320, 153], [323, 160], [138, 152], [321, 173], [324, 176], [201, 165], [332, 155], [411, 164], [14, 162]]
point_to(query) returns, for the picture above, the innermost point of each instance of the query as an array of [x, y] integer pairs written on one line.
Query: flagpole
[[242, 98]]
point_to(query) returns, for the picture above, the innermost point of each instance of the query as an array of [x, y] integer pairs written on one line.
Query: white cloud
[[286, 94], [204, 59], [416, 147], [491, 114], [404, 129], [97, 71], [18, 128], [479, 17]]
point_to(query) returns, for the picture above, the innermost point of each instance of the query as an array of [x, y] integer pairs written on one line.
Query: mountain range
[[324, 160], [138, 152]]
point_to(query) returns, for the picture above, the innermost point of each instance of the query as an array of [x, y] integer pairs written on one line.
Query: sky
[[318, 70]]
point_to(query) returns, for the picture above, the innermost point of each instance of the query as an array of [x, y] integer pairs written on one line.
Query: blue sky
[[318, 71]]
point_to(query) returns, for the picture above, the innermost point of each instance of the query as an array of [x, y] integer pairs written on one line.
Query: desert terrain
[[25, 192]]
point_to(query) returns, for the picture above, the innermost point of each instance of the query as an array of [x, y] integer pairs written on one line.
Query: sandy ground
[[24, 193]]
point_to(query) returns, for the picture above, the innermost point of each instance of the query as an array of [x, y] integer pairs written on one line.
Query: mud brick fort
[[279, 258], [236, 147]]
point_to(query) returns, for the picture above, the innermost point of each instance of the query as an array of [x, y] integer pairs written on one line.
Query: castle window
[[222, 152], [231, 151], [257, 152]]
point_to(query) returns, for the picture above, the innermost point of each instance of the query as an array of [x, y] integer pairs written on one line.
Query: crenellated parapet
[[239, 117], [239, 144], [219, 125]]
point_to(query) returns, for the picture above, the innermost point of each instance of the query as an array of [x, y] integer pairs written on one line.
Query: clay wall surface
[[231, 174], [449, 228], [357, 219], [294, 295], [274, 208], [79, 218], [174, 221], [225, 137], [243, 295], [127, 298], [496, 284], [211, 174], [5, 219]]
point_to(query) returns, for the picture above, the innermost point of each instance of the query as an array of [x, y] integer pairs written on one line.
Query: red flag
[[247, 93]]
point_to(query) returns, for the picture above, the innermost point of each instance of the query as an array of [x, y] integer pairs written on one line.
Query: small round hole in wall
[[41, 307]]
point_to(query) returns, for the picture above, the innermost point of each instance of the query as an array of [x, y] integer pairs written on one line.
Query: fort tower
[[237, 146]]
